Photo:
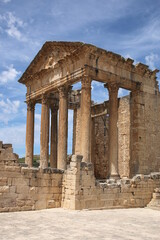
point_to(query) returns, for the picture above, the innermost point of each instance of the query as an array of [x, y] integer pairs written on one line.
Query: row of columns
[[59, 158], [44, 134]]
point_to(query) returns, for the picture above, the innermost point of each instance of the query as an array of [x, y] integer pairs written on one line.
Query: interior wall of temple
[[100, 141], [100, 145], [138, 137]]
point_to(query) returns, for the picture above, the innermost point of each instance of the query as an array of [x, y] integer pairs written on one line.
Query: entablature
[[86, 60]]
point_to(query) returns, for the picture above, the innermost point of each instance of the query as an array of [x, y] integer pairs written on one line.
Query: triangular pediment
[[48, 56]]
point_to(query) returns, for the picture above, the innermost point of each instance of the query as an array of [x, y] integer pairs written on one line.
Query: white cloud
[[8, 75], [13, 26], [97, 84], [127, 55], [8, 110], [123, 92], [9, 106], [14, 32], [151, 60]]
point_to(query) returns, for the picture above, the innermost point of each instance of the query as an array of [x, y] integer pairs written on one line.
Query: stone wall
[[82, 191], [23, 188], [145, 132], [138, 136], [100, 141], [155, 202], [100, 146]]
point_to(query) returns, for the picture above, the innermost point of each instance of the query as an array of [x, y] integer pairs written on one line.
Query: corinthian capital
[[44, 99], [30, 105], [86, 82], [63, 91], [112, 87]]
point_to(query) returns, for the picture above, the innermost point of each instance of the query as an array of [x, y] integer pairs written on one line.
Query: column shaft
[[113, 130], [29, 134], [63, 128], [44, 136], [54, 137], [86, 118]]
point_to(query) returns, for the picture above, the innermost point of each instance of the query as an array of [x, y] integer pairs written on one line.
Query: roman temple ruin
[[115, 160]]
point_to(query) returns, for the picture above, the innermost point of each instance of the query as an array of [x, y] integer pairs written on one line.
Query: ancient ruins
[[115, 159]]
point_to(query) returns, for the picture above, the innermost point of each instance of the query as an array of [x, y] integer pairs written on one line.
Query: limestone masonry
[[115, 159]]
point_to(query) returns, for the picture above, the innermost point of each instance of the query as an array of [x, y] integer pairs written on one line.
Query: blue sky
[[128, 27]]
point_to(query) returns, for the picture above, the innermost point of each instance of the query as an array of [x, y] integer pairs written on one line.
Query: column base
[[114, 176], [29, 161], [43, 164]]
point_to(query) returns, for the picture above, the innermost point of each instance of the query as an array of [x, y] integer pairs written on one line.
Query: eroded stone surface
[[80, 189], [155, 202]]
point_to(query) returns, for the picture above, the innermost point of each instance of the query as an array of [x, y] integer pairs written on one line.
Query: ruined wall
[[100, 144], [155, 202], [82, 191], [23, 188], [145, 132], [138, 136]]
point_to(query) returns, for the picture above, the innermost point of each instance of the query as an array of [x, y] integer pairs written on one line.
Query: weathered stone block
[[4, 189], [51, 204], [22, 189]]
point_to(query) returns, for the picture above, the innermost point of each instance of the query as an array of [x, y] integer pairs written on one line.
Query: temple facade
[[130, 140]]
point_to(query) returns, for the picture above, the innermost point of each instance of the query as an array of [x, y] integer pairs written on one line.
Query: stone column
[[113, 130], [44, 136], [29, 134], [85, 118], [63, 128], [54, 137]]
